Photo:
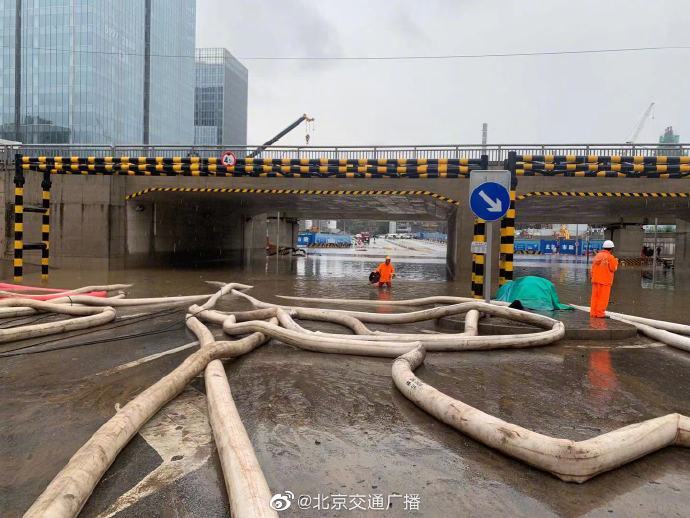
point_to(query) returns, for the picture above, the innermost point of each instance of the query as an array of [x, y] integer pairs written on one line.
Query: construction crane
[[280, 135], [640, 125]]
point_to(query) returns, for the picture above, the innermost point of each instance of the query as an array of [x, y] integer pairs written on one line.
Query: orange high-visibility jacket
[[603, 266], [386, 271]]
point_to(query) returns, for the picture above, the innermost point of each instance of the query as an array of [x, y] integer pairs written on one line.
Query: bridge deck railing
[[497, 152]]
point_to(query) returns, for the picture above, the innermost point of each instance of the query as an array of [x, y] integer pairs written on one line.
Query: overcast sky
[[549, 99]]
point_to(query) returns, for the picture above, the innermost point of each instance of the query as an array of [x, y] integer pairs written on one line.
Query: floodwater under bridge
[[105, 203]]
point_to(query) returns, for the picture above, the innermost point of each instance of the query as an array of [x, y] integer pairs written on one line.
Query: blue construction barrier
[[524, 246], [548, 246], [594, 246], [432, 236], [556, 246], [321, 239]]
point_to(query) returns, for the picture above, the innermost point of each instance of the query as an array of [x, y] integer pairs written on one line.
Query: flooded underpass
[[327, 426]]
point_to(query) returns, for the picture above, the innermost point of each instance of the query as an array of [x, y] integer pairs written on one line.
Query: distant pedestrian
[[604, 266]]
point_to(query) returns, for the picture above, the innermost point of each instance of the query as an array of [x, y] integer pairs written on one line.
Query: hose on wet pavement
[[571, 461]]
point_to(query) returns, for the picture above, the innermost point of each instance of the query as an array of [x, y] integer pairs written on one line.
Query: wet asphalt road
[[336, 425]]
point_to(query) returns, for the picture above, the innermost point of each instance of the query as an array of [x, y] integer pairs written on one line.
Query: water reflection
[[328, 276], [324, 266], [662, 279], [602, 376], [385, 295]]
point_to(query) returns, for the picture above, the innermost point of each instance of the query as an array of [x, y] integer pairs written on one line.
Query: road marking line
[[146, 359], [181, 434]]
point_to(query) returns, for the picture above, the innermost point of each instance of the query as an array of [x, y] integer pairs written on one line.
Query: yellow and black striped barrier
[[303, 192], [524, 165], [478, 260], [608, 194], [45, 225], [507, 247], [258, 167], [607, 166], [20, 209], [18, 227]]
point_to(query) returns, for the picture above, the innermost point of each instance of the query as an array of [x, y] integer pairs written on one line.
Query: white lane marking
[[146, 359], [180, 431]]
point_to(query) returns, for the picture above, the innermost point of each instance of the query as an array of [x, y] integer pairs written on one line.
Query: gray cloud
[[594, 98]]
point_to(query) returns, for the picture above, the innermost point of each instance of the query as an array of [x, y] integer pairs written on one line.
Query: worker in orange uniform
[[387, 272], [603, 267]]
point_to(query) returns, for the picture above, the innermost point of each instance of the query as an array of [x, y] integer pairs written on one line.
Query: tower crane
[[280, 135], [640, 125]]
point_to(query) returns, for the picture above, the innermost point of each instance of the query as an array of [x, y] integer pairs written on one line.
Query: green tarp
[[533, 293]]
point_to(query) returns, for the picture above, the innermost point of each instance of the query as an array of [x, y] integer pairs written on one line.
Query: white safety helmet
[[608, 244]]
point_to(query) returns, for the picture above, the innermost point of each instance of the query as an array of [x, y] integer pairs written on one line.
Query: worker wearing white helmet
[[603, 268]]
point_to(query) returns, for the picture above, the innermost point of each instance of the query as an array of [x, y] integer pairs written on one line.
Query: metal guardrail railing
[[496, 152]]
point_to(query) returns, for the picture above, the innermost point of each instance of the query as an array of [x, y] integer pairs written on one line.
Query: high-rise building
[[220, 114], [171, 95], [97, 72]]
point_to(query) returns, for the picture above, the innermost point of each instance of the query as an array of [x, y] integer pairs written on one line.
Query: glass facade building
[[171, 105], [220, 112], [83, 73]]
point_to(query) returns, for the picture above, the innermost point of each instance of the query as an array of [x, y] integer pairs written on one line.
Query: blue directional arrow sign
[[489, 196]]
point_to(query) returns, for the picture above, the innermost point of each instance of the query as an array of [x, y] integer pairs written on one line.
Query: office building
[[220, 114], [171, 97], [97, 72]]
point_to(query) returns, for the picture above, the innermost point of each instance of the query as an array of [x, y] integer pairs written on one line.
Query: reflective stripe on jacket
[[603, 266]]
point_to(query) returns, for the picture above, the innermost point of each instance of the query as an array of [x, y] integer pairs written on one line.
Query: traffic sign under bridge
[[490, 194], [489, 200]]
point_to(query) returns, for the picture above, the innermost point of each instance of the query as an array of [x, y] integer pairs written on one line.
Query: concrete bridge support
[[458, 253], [628, 240], [282, 230], [460, 234], [682, 258], [255, 231], [274, 228]]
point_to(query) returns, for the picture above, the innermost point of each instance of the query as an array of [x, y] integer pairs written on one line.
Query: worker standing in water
[[386, 271], [603, 267]]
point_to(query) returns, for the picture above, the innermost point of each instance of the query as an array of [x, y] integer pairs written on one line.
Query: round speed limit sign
[[228, 158]]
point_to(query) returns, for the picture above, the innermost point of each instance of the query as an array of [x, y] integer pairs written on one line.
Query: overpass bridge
[[107, 203]]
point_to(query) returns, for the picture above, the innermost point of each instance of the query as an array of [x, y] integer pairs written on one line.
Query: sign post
[[489, 200]]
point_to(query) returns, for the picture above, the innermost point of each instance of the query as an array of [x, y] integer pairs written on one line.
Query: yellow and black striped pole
[[478, 260], [45, 225], [18, 219], [507, 249]]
